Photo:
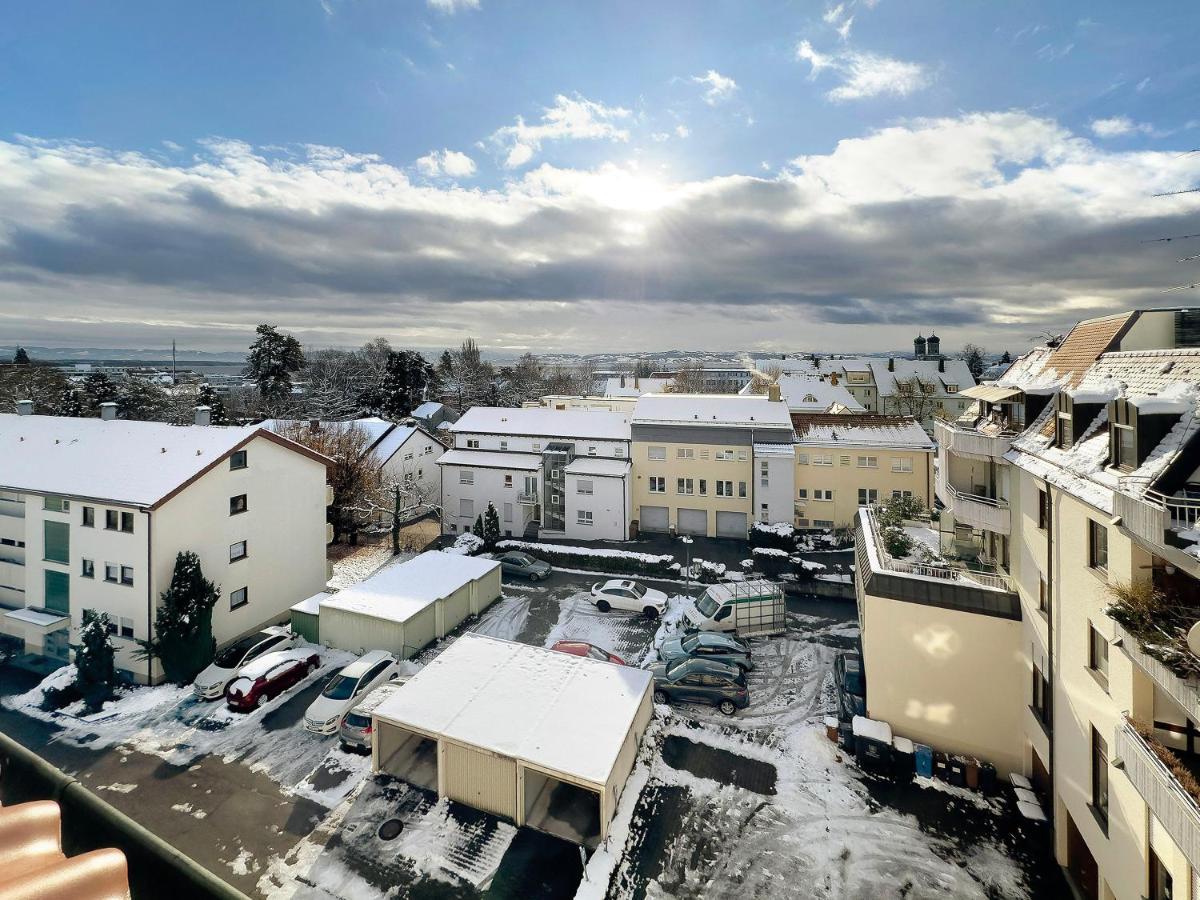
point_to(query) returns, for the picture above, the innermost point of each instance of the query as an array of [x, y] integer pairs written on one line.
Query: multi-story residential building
[[555, 472], [812, 393], [711, 464], [94, 511], [845, 462], [712, 380], [1068, 660]]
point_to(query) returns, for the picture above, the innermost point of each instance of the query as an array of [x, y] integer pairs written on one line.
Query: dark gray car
[[516, 562], [712, 645], [701, 681]]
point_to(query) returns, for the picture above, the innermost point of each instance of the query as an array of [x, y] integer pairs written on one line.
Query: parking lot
[[717, 806]]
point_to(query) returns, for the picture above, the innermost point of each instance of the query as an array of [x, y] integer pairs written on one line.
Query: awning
[[990, 393], [43, 620]]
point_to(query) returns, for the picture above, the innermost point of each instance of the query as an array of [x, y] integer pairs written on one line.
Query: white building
[[94, 511], [815, 394], [549, 471], [635, 386]]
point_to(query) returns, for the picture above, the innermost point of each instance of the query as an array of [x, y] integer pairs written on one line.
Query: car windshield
[[240, 686], [706, 605], [636, 589], [518, 558], [597, 653], [690, 643], [233, 655], [358, 720], [339, 688], [677, 667]]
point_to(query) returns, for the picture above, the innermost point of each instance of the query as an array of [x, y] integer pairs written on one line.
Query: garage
[[654, 518], [692, 521], [543, 739], [732, 525], [404, 607]]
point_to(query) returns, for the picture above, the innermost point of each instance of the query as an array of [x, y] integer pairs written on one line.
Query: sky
[[587, 177]]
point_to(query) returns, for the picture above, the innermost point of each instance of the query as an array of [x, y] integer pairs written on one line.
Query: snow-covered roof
[[939, 373], [124, 461], [38, 617], [596, 465], [396, 593], [559, 712], [710, 409], [385, 448], [491, 459], [860, 431], [635, 387], [539, 421], [427, 409], [804, 393], [312, 605], [788, 449]]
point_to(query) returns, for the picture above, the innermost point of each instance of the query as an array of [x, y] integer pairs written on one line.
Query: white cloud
[[682, 131], [570, 118], [864, 74], [841, 20], [1118, 126], [450, 163], [452, 6], [660, 136], [1054, 52], [1143, 84], [718, 87]]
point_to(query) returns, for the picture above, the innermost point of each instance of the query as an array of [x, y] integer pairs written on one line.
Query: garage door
[[731, 525], [456, 607], [693, 521], [481, 780], [420, 630], [654, 518]]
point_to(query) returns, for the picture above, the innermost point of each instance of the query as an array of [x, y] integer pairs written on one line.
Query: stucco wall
[[845, 477], [702, 464]]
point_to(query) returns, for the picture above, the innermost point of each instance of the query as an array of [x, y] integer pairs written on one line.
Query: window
[[741, 489], [685, 453], [951, 388], [56, 504], [703, 487], [1125, 444], [1062, 430], [1100, 777], [764, 513], [822, 494], [822, 459], [57, 537], [466, 508], [684, 486], [127, 522], [868, 462], [1097, 654], [237, 551], [725, 454], [658, 484], [111, 627], [555, 474], [743, 455], [239, 598], [618, 451], [508, 481], [89, 517], [466, 476], [1043, 597], [592, 450], [802, 459], [583, 517], [822, 523], [901, 464], [1041, 696], [472, 443], [237, 459], [555, 499], [656, 452], [1043, 509], [126, 627], [237, 504], [724, 488], [583, 487], [58, 591], [112, 521], [112, 573], [127, 575], [704, 454], [537, 447], [868, 496], [88, 568], [504, 445], [802, 494], [897, 494], [1097, 546], [508, 512]]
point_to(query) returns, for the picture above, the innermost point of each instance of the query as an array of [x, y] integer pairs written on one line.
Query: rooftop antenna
[[173, 379]]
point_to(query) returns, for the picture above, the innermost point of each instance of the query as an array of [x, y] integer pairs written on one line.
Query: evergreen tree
[[95, 669], [402, 386], [491, 527], [183, 639], [479, 525], [273, 359], [142, 400], [1006, 357], [210, 398], [98, 388], [20, 358], [70, 404]]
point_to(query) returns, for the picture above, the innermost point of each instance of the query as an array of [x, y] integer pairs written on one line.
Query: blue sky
[[569, 176]]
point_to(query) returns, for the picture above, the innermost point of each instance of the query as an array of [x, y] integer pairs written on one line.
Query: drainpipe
[[1051, 600], [149, 596]]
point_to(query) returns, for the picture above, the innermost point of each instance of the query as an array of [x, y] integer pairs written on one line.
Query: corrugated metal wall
[[480, 779], [455, 608], [351, 631]]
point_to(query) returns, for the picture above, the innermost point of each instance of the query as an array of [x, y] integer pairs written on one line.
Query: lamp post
[[687, 543]]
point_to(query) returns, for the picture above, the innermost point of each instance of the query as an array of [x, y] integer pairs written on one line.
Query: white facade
[[408, 455], [597, 498]]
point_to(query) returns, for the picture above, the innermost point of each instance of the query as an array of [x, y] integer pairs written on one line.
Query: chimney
[[833, 378], [203, 415], [622, 381], [314, 426], [637, 382], [24, 407], [108, 411], [891, 364], [773, 392], [941, 365]]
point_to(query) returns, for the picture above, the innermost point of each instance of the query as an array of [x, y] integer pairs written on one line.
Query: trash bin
[[831, 728], [872, 744], [957, 771], [903, 759], [924, 760], [846, 736], [987, 778], [972, 773], [941, 766]]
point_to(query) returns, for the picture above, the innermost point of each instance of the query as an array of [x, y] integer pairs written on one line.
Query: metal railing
[[1184, 691], [998, 581], [527, 498], [1149, 513], [988, 513], [972, 441], [1174, 807]]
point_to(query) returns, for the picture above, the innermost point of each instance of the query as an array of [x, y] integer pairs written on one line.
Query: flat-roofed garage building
[[541, 738]]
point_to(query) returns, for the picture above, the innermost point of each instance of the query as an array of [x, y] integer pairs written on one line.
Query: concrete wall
[[416, 462], [774, 488]]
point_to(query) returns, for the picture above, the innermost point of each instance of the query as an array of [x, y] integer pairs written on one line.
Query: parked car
[[212, 682], [517, 563], [701, 681], [851, 685], [583, 648], [707, 645], [354, 731], [269, 675], [621, 593], [347, 688]]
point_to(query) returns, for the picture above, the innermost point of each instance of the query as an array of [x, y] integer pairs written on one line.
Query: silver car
[[355, 728], [347, 688]]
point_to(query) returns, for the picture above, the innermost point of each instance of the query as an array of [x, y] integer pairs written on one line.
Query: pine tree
[[491, 527], [479, 525], [1006, 357], [210, 398], [95, 669], [273, 359], [70, 404], [183, 640], [98, 388], [20, 358]]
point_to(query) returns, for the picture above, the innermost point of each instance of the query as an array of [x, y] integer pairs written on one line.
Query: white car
[[211, 683], [346, 689], [620, 593]]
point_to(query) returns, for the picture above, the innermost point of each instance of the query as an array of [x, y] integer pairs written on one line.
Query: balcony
[[971, 442], [1184, 691], [527, 498], [1174, 807], [988, 513], [1152, 516], [13, 508]]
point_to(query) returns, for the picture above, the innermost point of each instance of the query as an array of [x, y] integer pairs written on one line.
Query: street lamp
[[687, 543]]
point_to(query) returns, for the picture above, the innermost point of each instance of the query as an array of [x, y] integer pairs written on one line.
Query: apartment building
[[554, 472], [1066, 659], [712, 379], [94, 511], [633, 386], [709, 464], [845, 462]]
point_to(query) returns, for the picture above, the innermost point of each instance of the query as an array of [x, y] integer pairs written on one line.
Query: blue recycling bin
[[924, 755]]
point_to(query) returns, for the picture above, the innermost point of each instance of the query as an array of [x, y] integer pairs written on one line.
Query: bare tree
[[354, 475], [973, 356], [44, 385], [915, 398], [689, 379]]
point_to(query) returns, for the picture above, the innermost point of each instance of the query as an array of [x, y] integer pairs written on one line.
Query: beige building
[[1090, 453], [845, 462]]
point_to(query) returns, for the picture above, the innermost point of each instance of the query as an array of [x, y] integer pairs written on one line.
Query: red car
[[582, 648], [268, 676]]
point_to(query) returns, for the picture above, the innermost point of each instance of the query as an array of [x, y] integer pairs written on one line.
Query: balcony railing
[[972, 442], [1149, 514], [1184, 691], [1174, 807], [13, 508], [997, 581], [527, 498], [989, 513]]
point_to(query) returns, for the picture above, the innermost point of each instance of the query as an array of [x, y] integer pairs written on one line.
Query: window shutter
[[58, 591], [58, 541]]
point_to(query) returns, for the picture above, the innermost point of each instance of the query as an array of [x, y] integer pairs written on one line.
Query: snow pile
[[769, 551], [567, 550], [466, 544], [780, 529]]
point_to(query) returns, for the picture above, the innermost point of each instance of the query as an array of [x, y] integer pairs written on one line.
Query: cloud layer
[[863, 74], [991, 226]]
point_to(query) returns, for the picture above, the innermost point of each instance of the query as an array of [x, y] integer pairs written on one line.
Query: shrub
[[617, 562], [1159, 623], [95, 670], [781, 536], [896, 541]]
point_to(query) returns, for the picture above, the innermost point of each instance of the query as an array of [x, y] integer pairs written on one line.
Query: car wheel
[[535, 577], [651, 612], [603, 605], [257, 702], [661, 697], [727, 707], [345, 747]]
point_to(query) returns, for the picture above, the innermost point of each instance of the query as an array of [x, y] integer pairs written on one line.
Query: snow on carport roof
[[395, 593], [555, 711]]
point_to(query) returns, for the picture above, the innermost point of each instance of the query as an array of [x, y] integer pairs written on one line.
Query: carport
[[540, 738]]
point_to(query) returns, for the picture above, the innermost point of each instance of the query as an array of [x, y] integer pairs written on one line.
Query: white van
[[746, 608]]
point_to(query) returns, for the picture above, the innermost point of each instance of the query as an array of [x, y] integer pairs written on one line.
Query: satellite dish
[[1193, 638]]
